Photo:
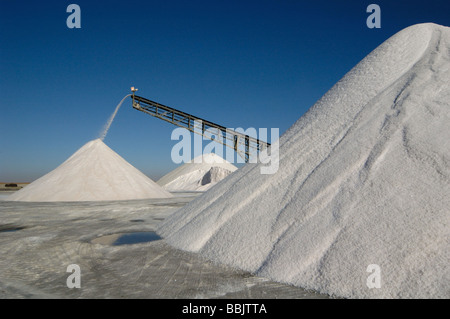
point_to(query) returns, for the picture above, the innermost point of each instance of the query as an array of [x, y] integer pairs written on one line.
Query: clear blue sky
[[241, 63]]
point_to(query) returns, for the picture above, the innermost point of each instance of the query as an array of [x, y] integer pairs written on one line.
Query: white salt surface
[[95, 172], [5, 195], [51, 236], [364, 178], [200, 174]]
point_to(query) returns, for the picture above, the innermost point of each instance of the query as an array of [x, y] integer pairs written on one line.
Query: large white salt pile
[[95, 172], [200, 174], [363, 179]]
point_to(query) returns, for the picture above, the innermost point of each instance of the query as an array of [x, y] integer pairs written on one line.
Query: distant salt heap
[[94, 173], [364, 179], [196, 175]]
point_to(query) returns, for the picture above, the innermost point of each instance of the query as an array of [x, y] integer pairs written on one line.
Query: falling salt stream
[[111, 119]]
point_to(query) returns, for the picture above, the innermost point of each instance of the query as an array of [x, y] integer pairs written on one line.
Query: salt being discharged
[[93, 173], [111, 119]]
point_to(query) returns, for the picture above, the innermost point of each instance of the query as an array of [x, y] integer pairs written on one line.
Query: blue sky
[[242, 63]]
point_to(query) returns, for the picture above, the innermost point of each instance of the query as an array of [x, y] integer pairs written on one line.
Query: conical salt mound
[[200, 174], [360, 205], [94, 173]]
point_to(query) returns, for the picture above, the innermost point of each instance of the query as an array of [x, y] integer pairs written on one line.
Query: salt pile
[[363, 179], [200, 174], [93, 173]]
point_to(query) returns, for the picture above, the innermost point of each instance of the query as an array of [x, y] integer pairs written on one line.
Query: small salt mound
[[214, 175], [363, 179], [93, 173], [200, 174]]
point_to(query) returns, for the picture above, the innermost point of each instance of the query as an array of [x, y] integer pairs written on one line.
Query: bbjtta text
[[240, 309]]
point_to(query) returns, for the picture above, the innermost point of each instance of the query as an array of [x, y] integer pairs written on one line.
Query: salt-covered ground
[[34, 259]]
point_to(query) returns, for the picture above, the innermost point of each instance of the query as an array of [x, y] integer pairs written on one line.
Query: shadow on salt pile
[[6, 228], [127, 238]]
